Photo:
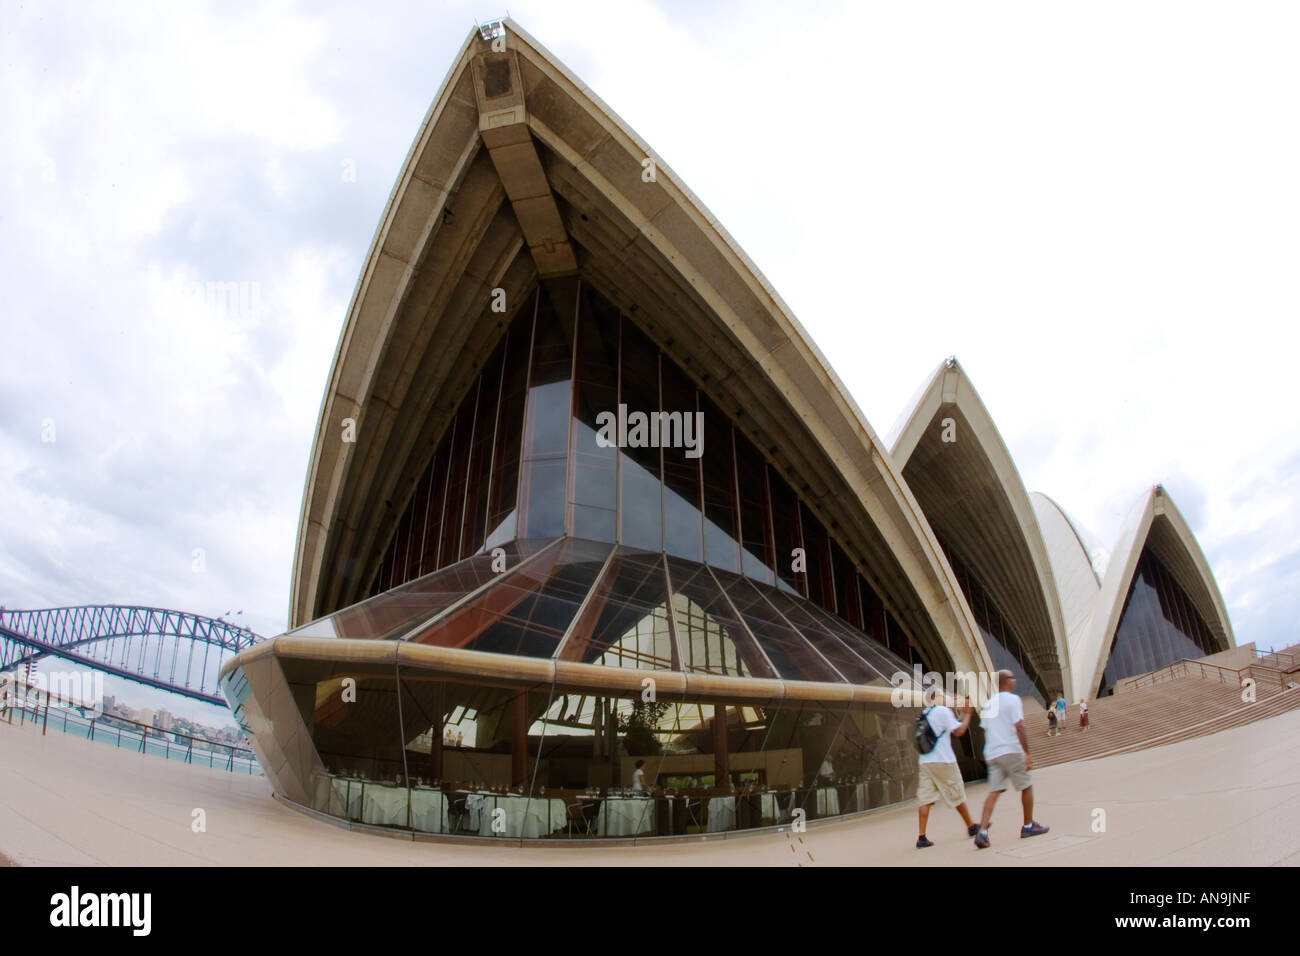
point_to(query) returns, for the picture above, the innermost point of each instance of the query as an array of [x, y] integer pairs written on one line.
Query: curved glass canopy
[[595, 602], [579, 425]]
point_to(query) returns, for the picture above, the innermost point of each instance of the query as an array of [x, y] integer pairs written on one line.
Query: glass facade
[[580, 425], [594, 602], [1005, 647], [586, 504], [1158, 626], [412, 750]]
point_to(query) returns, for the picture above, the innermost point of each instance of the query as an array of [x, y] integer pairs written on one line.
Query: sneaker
[[1033, 829], [922, 842], [981, 839], [973, 829]]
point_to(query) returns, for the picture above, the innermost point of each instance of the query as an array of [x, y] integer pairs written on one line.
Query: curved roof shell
[[1077, 583], [961, 473], [520, 174], [1153, 522]]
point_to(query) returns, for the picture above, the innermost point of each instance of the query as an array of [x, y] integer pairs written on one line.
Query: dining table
[[514, 815], [625, 816]]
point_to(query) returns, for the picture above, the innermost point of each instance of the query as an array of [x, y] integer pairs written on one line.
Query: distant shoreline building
[[496, 614]]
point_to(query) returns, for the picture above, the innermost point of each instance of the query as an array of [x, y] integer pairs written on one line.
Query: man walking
[[1006, 751], [939, 774]]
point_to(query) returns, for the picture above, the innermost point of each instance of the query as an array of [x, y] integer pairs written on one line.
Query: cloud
[[1094, 212]]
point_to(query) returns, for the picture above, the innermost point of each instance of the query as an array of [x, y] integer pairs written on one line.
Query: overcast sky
[[1095, 207]]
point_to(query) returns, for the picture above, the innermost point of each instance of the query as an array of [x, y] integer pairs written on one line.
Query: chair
[[582, 817], [456, 811], [696, 813]]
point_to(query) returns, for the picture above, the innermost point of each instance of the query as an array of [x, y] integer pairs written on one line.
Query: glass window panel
[[626, 623], [793, 657], [526, 613], [393, 613], [873, 611], [1153, 627], [785, 523], [546, 432], [405, 531], [453, 506], [595, 471], [846, 586], [711, 638], [480, 455], [432, 538], [641, 498], [817, 545], [721, 514], [359, 742], [677, 431], [834, 639], [502, 505], [755, 511]]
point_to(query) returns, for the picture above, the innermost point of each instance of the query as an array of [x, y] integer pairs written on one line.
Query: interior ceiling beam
[[503, 125]]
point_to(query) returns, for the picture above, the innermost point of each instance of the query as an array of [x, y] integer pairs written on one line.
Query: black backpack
[[924, 736]]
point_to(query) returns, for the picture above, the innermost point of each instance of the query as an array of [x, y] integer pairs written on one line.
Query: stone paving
[[1232, 798]]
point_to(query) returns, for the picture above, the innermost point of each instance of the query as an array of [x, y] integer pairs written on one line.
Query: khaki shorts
[[940, 780], [1009, 767]]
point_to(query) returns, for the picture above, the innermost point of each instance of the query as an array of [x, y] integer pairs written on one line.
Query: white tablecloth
[[772, 809], [625, 816], [345, 799], [828, 802], [520, 816], [428, 810], [383, 805], [722, 814]]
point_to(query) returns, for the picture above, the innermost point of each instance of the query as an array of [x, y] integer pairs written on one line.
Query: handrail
[[1293, 661], [20, 695], [1185, 665]]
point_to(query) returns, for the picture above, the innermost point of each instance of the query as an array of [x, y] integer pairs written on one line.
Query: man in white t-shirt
[[1006, 751], [939, 774]]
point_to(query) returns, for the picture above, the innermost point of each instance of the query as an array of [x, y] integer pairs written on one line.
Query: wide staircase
[[1187, 699]]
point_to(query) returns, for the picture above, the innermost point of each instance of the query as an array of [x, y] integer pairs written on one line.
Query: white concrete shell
[[1153, 522], [1077, 583], [962, 475], [520, 173]]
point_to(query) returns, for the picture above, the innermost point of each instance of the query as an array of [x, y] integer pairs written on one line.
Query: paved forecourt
[[1232, 798]]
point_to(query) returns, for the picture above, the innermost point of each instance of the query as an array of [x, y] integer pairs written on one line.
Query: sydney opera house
[[594, 544]]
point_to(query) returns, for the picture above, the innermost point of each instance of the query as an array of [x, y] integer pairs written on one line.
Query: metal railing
[[69, 718], [1190, 668], [1289, 662]]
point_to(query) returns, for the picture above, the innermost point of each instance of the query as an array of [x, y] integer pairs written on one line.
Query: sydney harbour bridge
[[170, 650]]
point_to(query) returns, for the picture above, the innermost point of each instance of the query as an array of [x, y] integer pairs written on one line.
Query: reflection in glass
[[501, 468], [627, 622], [391, 614], [1006, 649]]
